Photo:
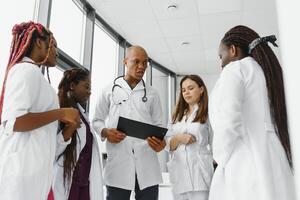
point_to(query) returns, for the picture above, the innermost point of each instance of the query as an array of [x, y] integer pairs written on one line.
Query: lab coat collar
[[27, 59], [122, 82], [82, 111], [193, 114]]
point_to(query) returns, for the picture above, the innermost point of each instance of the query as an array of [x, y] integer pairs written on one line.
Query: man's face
[[136, 63]]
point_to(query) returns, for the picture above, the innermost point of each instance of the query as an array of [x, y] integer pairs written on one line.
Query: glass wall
[[104, 65], [10, 14], [160, 81], [67, 23]]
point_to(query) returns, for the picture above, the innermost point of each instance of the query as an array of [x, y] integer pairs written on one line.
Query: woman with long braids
[[248, 115], [78, 168], [29, 112]]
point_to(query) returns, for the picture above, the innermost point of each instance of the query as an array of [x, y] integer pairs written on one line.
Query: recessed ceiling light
[[172, 7], [185, 43]]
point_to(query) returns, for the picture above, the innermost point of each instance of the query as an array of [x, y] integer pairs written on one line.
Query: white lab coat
[[252, 161], [191, 165], [96, 187], [122, 164], [26, 158]]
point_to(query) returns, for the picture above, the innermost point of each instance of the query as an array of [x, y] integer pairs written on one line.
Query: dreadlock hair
[[242, 36], [74, 75], [24, 36], [182, 106]]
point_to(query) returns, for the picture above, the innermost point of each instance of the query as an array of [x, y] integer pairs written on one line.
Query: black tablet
[[139, 129]]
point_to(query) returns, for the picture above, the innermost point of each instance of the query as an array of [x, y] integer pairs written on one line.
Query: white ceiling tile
[[217, 6], [152, 45], [213, 27], [219, 23], [260, 20], [130, 10], [179, 27], [212, 41], [211, 54], [189, 68], [185, 8], [171, 66], [188, 57], [141, 29], [267, 5], [162, 58], [175, 43], [213, 67]]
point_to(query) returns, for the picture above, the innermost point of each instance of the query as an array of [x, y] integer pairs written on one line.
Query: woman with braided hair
[[248, 115], [29, 113], [78, 165]]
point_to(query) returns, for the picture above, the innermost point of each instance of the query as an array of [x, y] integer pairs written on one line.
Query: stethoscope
[[144, 98]]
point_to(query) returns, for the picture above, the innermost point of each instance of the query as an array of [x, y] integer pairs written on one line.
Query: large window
[[160, 81], [104, 65], [67, 23], [12, 12]]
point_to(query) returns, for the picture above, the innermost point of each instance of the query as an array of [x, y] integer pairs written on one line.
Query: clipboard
[[139, 129]]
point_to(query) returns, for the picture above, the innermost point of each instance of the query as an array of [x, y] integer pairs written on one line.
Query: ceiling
[[201, 23]]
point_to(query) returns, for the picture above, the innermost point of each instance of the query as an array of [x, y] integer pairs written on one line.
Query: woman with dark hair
[[188, 140], [29, 112], [78, 168], [248, 115]]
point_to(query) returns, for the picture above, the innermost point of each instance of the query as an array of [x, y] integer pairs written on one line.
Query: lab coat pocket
[[112, 149], [240, 168], [12, 169]]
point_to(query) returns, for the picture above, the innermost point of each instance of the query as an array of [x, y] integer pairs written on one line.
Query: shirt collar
[[27, 59], [193, 114], [122, 82], [82, 111]]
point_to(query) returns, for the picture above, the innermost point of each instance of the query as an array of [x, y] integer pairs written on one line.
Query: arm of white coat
[[101, 113], [227, 120], [169, 135], [61, 144], [210, 135], [20, 94]]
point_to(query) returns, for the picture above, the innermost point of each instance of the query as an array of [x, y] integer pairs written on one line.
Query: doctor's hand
[[113, 135], [156, 144], [185, 138]]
